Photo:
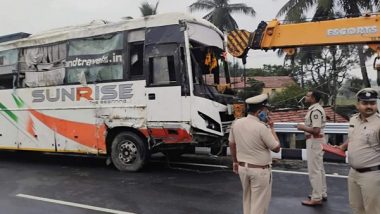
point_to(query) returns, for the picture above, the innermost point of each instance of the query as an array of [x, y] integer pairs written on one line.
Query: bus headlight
[[210, 123]]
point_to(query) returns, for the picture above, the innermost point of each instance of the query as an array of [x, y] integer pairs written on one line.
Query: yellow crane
[[274, 35]]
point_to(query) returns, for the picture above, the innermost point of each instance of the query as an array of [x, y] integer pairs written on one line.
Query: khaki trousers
[[257, 189], [364, 192], [315, 168]]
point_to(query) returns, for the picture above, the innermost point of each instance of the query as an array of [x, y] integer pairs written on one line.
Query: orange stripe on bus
[[86, 134], [30, 127]]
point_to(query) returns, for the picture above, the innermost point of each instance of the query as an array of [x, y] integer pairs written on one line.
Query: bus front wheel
[[128, 152]]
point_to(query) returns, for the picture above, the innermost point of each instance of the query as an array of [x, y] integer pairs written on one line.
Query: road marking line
[[201, 164], [273, 170], [73, 204], [305, 173], [194, 164]]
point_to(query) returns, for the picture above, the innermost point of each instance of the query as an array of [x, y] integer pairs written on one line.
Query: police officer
[[364, 154], [251, 141], [315, 121]]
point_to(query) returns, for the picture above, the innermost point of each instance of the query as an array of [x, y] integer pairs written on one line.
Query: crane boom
[[274, 35]]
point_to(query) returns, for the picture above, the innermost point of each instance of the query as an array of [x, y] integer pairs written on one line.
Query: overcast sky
[[32, 16]]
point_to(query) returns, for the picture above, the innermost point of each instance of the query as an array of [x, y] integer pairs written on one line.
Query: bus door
[[163, 91]]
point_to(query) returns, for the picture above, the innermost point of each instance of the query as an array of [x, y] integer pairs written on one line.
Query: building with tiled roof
[[298, 116], [236, 82], [272, 84], [275, 84]]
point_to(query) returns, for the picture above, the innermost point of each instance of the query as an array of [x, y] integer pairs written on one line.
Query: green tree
[[148, 9], [288, 98], [276, 70], [296, 11], [325, 68], [252, 72], [266, 70], [221, 12]]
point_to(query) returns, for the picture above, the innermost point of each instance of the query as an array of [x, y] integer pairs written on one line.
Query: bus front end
[[212, 99]]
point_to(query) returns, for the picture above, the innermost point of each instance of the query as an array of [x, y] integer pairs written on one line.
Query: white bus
[[124, 89]]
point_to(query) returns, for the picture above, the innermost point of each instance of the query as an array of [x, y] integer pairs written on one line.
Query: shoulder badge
[[315, 116]]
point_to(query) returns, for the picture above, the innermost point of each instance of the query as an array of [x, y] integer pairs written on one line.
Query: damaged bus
[[123, 90]]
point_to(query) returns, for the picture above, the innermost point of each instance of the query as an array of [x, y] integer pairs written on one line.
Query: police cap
[[367, 94], [259, 99]]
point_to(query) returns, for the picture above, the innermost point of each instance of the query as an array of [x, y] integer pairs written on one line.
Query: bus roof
[[101, 27]]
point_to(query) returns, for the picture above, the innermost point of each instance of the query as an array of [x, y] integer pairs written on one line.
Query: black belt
[[368, 169]]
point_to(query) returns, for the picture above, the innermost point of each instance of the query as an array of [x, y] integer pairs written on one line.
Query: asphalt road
[[35, 183]]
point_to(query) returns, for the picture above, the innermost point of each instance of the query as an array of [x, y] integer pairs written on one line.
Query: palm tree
[[295, 11], [220, 14], [148, 9]]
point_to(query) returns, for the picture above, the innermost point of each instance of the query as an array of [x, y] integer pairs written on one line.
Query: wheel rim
[[127, 152]]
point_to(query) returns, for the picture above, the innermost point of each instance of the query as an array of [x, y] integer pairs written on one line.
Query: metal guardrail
[[330, 128]]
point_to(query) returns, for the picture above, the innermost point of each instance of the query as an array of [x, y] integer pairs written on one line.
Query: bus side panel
[[60, 119], [53, 123], [9, 121], [35, 135]]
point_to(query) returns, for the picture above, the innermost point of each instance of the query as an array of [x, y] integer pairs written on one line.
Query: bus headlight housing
[[210, 123]]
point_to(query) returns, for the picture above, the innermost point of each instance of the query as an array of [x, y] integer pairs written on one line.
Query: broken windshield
[[208, 65], [208, 70]]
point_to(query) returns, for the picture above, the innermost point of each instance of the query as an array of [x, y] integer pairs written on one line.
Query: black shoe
[[323, 198]]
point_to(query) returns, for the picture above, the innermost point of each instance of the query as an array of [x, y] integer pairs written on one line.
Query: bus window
[[96, 45], [136, 35], [8, 62], [136, 55], [43, 58], [162, 70], [95, 59], [94, 74], [6, 81], [41, 66]]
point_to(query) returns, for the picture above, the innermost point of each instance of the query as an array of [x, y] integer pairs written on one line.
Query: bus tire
[[128, 151]]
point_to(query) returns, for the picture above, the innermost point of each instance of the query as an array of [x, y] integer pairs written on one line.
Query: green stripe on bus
[[19, 102], [8, 112]]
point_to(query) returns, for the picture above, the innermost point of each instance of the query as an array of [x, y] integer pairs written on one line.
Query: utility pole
[[244, 60]]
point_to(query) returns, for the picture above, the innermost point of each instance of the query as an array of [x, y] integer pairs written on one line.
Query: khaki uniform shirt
[[364, 141], [316, 117], [253, 139]]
